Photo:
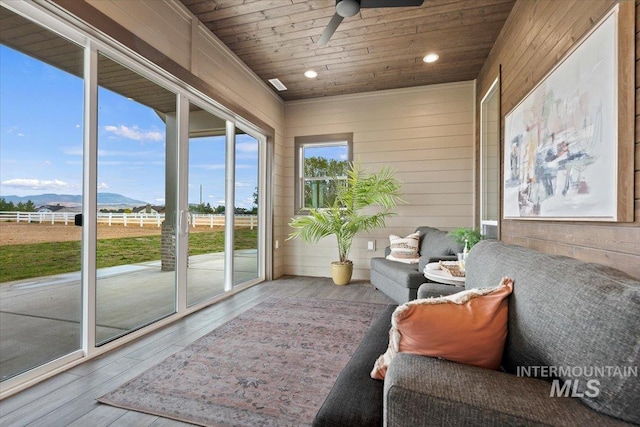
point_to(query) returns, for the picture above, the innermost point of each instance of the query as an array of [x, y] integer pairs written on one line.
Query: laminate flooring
[[69, 398]]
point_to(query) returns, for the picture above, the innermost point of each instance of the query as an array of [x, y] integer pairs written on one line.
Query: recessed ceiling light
[[432, 57], [310, 74]]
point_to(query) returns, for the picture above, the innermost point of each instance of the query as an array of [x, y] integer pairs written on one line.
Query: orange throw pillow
[[468, 327]]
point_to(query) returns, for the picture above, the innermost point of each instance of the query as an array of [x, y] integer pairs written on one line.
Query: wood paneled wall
[[424, 133], [536, 35]]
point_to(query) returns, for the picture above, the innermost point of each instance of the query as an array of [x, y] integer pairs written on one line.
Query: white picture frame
[[561, 141]]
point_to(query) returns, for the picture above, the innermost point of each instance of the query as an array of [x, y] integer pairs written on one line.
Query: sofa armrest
[[426, 391], [432, 289]]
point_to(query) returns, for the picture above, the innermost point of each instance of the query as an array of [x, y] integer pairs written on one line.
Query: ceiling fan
[[348, 8]]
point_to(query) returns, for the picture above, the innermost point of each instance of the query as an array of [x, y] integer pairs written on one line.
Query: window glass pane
[[245, 253], [207, 172], [490, 162], [136, 232], [41, 155], [490, 157], [325, 161], [324, 167]]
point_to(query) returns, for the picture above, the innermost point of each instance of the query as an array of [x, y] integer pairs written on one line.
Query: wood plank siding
[[536, 35], [424, 133]]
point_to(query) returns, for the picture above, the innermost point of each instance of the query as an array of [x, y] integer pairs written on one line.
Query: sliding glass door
[[135, 254], [126, 196], [41, 155]]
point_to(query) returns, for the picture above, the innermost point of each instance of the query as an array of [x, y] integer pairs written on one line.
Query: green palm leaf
[[344, 218]]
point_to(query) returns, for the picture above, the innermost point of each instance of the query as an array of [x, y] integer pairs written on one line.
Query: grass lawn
[[44, 259]]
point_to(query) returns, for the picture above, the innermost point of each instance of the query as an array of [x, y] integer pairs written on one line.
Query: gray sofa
[[401, 281], [563, 314]]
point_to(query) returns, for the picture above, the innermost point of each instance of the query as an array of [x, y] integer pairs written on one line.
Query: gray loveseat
[[576, 318], [401, 281]]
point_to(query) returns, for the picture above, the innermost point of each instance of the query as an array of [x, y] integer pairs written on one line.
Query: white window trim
[[337, 139]]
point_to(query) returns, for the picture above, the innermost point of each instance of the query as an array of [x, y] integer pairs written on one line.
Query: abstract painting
[[561, 140]]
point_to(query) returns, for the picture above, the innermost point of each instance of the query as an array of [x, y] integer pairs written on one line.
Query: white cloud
[[77, 151], [135, 133], [13, 130], [73, 151], [209, 166], [114, 163], [103, 186], [146, 154], [46, 163], [36, 184], [247, 147], [160, 200]]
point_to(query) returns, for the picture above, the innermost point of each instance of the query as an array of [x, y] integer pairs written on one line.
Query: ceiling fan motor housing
[[347, 8]]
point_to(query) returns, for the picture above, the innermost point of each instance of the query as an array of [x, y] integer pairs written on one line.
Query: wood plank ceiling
[[373, 50]]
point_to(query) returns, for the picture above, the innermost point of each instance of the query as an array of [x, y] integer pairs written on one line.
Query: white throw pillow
[[404, 249]]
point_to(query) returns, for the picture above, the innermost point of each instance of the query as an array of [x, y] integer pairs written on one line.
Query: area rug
[[271, 366]]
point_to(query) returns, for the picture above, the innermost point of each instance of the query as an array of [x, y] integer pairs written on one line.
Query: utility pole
[[200, 194]]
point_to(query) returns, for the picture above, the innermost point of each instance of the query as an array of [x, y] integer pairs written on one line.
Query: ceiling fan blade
[[390, 3], [331, 28]]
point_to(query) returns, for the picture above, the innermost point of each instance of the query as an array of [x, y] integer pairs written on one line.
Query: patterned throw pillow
[[405, 249], [467, 327]]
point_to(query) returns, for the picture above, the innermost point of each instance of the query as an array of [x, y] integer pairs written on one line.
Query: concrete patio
[[40, 318]]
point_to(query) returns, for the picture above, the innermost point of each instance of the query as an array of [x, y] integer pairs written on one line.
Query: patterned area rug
[[271, 366]]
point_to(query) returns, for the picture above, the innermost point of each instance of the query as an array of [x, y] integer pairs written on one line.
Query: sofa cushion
[[468, 327], [405, 275], [567, 314], [404, 249], [424, 391]]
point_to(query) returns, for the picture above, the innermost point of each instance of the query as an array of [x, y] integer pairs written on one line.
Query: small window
[[322, 162], [490, 161]]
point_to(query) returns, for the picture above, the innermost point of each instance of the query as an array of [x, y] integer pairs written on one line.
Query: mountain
[[74, 200]]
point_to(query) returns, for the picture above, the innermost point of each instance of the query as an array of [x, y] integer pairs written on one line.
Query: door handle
[[183, 222]]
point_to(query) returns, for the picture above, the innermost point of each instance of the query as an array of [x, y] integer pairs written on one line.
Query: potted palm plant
[[377, 193]]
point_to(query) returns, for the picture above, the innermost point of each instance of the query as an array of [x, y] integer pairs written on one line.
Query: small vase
[[341, 272], [462, 261]]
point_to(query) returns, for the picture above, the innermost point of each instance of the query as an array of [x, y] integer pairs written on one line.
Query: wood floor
[[68, 399]]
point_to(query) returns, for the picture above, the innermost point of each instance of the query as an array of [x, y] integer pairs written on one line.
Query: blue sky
[[41, 141], [336, 152]]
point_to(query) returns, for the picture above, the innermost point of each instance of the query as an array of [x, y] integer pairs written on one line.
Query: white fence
[[128, 219]]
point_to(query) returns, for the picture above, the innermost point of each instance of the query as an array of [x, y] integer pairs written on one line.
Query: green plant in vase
[[465, 235], [350, 213]]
